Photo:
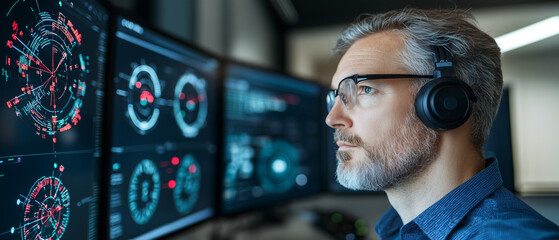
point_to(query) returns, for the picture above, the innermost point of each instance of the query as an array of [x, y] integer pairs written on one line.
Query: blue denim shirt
[[480, 208]]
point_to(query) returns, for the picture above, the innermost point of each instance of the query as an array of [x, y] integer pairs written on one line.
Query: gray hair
[[476, 55]]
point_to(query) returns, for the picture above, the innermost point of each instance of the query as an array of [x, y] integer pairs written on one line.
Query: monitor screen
[[163, 140], [51, 89], [272, 138]]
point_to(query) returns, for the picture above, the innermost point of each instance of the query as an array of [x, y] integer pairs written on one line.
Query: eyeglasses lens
[[347, 92]]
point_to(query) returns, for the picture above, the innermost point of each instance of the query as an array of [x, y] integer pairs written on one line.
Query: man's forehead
[[377, 53]]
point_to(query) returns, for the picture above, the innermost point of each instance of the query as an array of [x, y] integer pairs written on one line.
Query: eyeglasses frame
[[359, 78]]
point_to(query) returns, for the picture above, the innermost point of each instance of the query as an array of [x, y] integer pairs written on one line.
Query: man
[[418, 132]]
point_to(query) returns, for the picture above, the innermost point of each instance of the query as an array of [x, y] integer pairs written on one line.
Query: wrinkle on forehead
[[377, 53]]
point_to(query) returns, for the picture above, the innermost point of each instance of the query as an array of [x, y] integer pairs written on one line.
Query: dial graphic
[[46, 210], [143, 191], [187, 189], [278, 166], [46, 67], [144, 89], [190, 105]]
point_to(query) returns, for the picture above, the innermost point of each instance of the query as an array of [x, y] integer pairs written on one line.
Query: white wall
[[210, 29], [308, 53], [240, 29], [252, 34], [174, 17], [534, 84]]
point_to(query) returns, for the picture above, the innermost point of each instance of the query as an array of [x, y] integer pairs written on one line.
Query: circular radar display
[[46, 66], [190, 106], [144, 89], [278, 166], [143, 192], [187, 189], [46, 210]]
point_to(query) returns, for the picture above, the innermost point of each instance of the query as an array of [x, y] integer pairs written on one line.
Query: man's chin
[[349, 173], [344, 156]]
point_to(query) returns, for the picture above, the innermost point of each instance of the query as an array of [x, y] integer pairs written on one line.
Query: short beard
[[404, 154]]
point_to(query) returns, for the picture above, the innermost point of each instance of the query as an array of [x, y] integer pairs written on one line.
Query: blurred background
[[296, 37]]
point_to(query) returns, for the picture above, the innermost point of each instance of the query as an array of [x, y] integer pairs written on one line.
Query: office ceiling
[[318, 13]]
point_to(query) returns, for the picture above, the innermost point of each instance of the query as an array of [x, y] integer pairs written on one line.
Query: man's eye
[[366, 90]]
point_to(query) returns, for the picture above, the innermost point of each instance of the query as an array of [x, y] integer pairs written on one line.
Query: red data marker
[[172, 184], [175, 161]]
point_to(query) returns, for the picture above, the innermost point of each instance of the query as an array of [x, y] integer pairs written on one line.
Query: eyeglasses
[[347, 88]]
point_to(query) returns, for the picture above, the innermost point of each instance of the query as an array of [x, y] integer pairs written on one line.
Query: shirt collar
[[441, 218], [389, 224]]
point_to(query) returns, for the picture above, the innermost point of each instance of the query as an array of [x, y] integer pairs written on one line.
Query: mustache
[[349, 138]]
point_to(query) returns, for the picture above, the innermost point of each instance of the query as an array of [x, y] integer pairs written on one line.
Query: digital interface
[[51, 98], [272, 138], [164, 120]]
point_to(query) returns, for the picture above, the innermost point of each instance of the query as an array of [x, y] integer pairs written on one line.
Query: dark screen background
[[157, 84], [272, 138], [51, 89]]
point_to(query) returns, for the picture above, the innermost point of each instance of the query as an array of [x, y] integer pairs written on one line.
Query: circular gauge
[[143, 191], [187, 189], [144, 89], [46, 210], [278, 166], [45, 67], [190, 106]]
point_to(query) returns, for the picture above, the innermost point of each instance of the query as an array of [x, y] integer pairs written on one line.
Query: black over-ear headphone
[[445, 102]]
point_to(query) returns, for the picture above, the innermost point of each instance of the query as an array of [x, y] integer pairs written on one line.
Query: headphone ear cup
[[444, 103]]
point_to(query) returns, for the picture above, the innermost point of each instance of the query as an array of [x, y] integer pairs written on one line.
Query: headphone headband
[[443, 62], [444, 102]]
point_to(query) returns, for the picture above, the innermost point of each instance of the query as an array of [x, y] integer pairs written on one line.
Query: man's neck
[[450, 169]]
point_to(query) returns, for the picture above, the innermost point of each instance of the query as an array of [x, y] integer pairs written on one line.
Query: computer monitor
[[272, 149], [163, 148], [51, 89], [499, 144]]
